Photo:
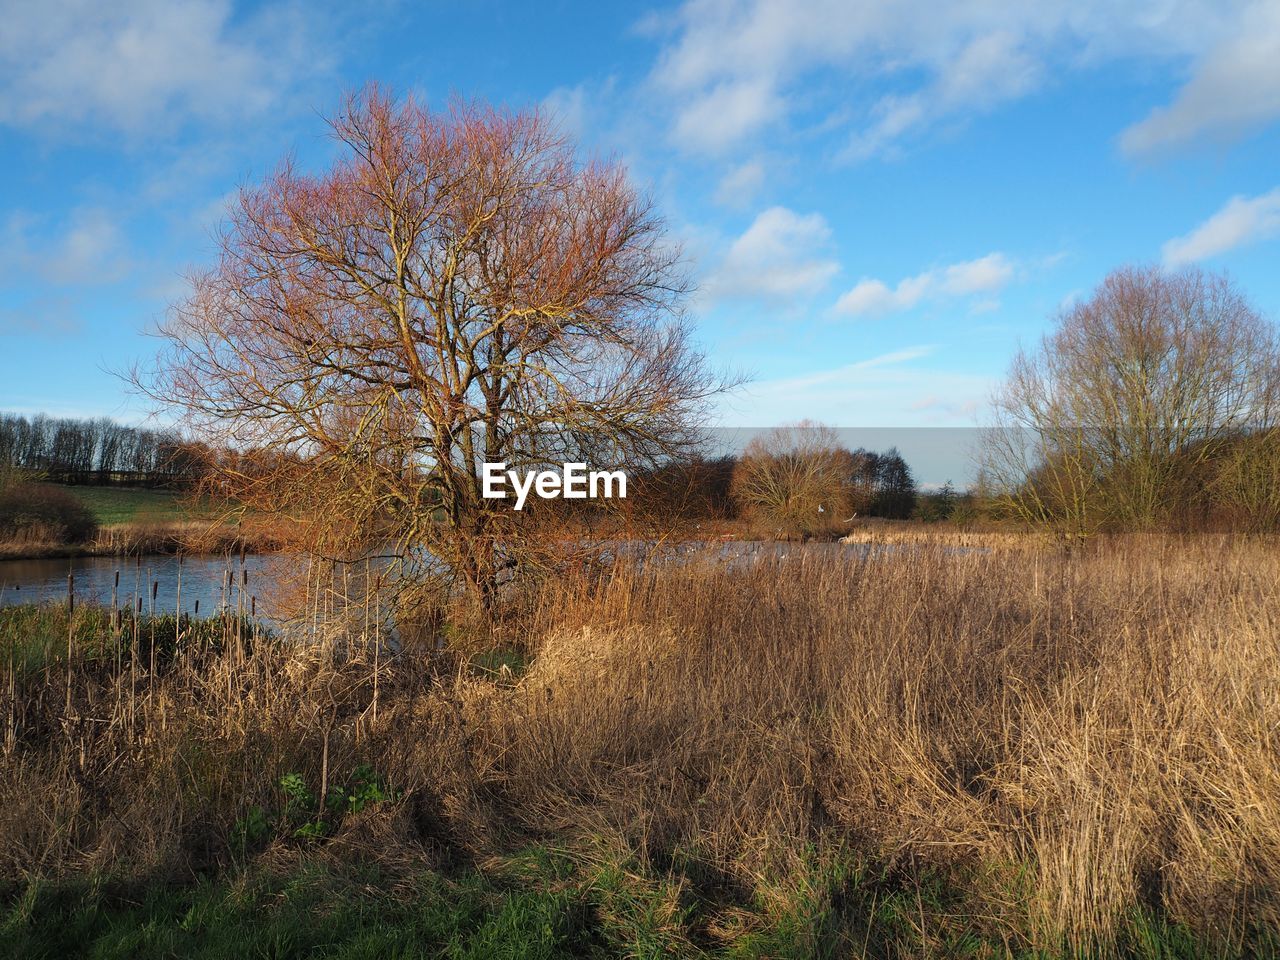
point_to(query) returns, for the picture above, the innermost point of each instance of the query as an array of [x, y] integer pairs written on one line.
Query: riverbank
[[539, 903], [136, 521], [926, 752], [193, 537]]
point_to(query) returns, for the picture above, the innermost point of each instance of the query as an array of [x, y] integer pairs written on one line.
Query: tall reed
[[1073, 740]]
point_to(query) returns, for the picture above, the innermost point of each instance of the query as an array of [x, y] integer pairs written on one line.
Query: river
[[163, 582]]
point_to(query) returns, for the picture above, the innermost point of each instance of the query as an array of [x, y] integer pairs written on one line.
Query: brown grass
[[913, 533], [1068, 737], [150, 536]]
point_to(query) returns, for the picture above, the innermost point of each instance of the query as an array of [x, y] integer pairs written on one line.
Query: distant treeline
[[798, 480], [98, 451]]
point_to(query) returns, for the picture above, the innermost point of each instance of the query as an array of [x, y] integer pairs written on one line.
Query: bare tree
[[1124, 403], [895, 489], [797, 479], [456, 289], [1246, 483]]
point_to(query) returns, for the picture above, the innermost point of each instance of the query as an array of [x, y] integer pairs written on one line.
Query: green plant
[[297, 796], [501, 664], [311, 830], [299, 806], [250, 830], [301, 818], [362, 789]]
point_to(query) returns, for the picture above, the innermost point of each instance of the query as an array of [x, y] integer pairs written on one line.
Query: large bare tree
[[1115, 413], [457, 288]]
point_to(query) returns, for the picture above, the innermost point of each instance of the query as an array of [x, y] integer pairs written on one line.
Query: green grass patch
[[501, 664], [315, 913], [113, 505], [541, 903], [33, 637]]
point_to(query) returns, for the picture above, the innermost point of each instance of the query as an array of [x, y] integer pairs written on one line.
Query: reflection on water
[[208, 581], [213, 581]]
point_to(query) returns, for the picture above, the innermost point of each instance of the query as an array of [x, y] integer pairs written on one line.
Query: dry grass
[[910, 533], [1073, 740], [150, 536], [189, 536]]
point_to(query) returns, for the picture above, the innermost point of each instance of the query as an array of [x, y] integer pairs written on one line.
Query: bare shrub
[[1246, 484], [1114, 419], [40, 513], [795, 480]]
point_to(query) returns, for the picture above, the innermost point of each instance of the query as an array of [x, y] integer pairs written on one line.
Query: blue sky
[[880, 201]]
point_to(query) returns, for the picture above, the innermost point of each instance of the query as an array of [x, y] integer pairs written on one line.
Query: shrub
[[38, 512], [795, 479]]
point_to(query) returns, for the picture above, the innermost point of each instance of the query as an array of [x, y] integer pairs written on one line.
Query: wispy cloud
[[781, 257], [897, 356], [1235, 86], [844, 373], [739, 186], [145, 66], [587, 109], [890, 389], [986, 71], [568, 105], [1242, 221], [986, 275], [48, 318], [87, 249], [733, 69]]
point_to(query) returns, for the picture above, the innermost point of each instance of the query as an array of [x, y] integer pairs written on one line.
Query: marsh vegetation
[[906, 754]]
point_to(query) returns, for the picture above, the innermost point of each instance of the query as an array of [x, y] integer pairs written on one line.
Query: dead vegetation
[[1072, 740]]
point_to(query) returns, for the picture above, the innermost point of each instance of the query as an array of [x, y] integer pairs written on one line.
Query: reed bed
[[139, 538], [1039, 753], [910, 533]]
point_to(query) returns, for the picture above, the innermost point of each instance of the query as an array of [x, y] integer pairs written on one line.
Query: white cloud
[[732, 69], [1242, 221], [986, 275], [141, 65], [89, 249], [887, 390], [739, 186], [568, 105], [727, 111], [780, 257], [874, 296], [1235, 86]]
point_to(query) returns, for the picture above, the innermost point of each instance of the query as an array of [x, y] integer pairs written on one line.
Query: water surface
[[175, 583]]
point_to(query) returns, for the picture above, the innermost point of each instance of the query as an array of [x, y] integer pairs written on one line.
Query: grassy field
[[309, 912], [133, 521], [115, 505], [916, 753], [536, 903]]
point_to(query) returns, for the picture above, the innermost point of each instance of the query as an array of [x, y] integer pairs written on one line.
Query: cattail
[[71, 610]]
